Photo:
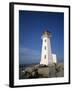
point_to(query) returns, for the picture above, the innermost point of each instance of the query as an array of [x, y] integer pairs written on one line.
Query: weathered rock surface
[[42, 71]]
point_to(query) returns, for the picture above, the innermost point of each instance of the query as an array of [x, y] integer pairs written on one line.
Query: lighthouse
[[46, 53]]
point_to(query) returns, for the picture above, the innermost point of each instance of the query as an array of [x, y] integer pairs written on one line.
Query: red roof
[[47, 33]]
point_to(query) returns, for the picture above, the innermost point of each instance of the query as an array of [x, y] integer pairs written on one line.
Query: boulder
[[43, 71], [33, 74], [52, 71], [60, 74], [29, 69]]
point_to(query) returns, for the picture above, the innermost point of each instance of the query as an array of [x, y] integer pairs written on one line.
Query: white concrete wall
[[50, 58], [47, 52], [54, 58], [44, 52]]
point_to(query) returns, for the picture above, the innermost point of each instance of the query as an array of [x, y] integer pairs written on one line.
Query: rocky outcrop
[[42, 71]]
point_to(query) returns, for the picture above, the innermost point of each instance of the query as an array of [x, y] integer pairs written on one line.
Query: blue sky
[[31, 26]]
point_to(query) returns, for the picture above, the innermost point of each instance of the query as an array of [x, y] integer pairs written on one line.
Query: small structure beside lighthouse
[[46, 54]]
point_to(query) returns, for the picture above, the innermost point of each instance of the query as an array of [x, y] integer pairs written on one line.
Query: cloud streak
[[28, 56]]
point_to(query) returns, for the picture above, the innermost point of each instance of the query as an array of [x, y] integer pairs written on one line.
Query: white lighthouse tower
[[46, 54]]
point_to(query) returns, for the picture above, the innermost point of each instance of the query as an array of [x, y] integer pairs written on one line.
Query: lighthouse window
[[45, 47], [45, 40], [45, 56]]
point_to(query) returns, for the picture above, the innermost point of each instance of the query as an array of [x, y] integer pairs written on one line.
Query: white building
[[46, 54]]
